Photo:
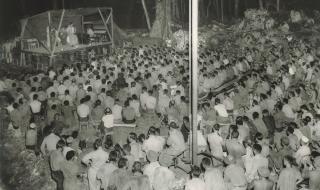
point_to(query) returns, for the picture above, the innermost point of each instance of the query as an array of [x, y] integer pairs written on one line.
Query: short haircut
[[206, 162], [113, 156], [136, 167], [60, 144], [235, 134], [255, 115], [196, 171], [122, 162], [127, 147], [257, 147], [70, 154], [97, 143]]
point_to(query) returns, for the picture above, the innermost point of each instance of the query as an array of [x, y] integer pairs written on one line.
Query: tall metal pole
[[193, 51]]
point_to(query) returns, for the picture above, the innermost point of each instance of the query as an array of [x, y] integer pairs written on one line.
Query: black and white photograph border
[[159, 95]]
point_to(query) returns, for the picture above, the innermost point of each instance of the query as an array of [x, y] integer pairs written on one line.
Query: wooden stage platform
[[39, 57], [66, 48]]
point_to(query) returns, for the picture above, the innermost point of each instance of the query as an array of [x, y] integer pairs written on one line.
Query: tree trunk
[[222, 12], [161, 27], [217, 8], [260, 4], [146, 14], [278, 5], [208, 8], [236, 8]]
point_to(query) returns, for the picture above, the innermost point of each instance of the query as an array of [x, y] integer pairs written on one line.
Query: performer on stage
[[72, 38]]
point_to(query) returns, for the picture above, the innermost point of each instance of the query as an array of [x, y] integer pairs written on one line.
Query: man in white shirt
[[153, 143], [287, 110], [228, 102], [163, 178], [35, 105], [149, 169], [95, 160], [221, 111], [105, 171], [117, 110], [49, 143], [163, 102], [135, 104], [108, 118], [150, 102], [143, 98], [83, 109], [303, 152]]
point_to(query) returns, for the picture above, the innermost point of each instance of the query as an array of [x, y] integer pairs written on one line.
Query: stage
[[66, 36]]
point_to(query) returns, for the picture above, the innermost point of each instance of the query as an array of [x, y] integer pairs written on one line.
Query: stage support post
[[193, 54], [112, 40], [105, 22], [22, 54], [55, 38]]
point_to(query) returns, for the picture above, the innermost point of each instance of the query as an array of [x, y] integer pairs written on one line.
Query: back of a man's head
[[122, 163], [206, 163], [195, 171]]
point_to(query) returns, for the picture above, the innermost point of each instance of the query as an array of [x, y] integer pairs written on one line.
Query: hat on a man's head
[[304, 139], [32, 126]]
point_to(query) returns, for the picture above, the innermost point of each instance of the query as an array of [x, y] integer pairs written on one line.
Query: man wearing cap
[[304, 151], [263, 183], [149, 169], [31, 137], [314, 182]]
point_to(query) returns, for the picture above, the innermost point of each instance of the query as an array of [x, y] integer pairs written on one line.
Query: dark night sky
[[127, 13]]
